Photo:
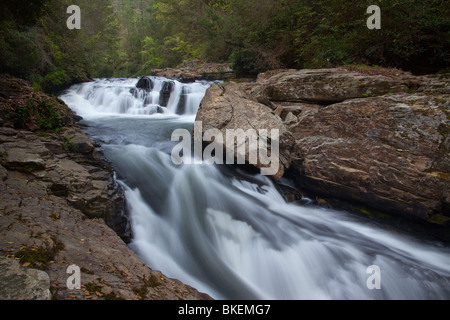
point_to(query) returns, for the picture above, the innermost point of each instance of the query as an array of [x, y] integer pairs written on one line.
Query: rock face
[[166, 90], [378, 139], [388, 152], [194, 70], [18, 283], [145, 83], [59, 204], [229, 107], [326, 86]]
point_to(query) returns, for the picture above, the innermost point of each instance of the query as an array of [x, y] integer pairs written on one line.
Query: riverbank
[[373, 137], [232, 234], [60, 202], [61, 206]]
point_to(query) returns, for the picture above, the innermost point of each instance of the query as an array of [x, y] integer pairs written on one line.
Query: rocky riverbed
[[376, 138], [60, 206]]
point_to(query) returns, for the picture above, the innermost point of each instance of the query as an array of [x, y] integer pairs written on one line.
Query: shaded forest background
[[123, 38]]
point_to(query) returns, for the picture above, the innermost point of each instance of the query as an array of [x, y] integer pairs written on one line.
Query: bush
[[247, 62], [414, 34]]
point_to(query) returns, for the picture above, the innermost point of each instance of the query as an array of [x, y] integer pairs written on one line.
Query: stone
[[376, 138], [145, 83], [290, 119], [24, 159], [229, 107], [3, 173], [77, 141], [62, 206], [181, 107], [325, 86], [194, 70], [165, 93], [18, 283], [390, 152]]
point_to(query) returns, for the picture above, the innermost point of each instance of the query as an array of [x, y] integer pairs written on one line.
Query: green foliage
[[245, 62], [121, 38], [36, 44], [168, 32], [68, 143], [414, 34], [42, 113]]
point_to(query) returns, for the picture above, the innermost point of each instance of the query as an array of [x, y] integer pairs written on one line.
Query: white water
[[235, 238]]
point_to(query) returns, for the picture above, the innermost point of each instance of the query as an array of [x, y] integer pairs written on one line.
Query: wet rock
[[145, 83], [165, 93], [181, 107]]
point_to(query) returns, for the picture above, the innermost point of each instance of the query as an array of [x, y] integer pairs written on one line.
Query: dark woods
[[121, 38]]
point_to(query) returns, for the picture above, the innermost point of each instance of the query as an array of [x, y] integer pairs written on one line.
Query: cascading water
[[237, 238]]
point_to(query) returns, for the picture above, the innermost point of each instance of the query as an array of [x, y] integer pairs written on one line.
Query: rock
[[290, 119], [24, 159], [8, 131], [389, 152], [376, 138], [165, 93], [19, 283], [60, 205], [3, 173], [325, 86], [77, 141], [26, 108], [145, 83], [194, 70], [229, 107], [181, 107]]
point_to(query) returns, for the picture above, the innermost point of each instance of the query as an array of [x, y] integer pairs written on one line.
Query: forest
[[124, 38]]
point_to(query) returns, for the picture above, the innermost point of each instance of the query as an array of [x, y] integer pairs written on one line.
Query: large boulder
[[195, 70], [59, 204], [325, 85], [145, 83], [390, 152], [375, 138], [229, 107]]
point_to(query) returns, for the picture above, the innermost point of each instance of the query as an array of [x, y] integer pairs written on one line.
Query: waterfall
[[122, 97], [233, 235]]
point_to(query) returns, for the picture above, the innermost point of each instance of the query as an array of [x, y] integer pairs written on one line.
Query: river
[[231, 234]]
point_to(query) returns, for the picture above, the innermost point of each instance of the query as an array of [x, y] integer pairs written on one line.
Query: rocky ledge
[[193, 70], [60, 206], [376, 138]]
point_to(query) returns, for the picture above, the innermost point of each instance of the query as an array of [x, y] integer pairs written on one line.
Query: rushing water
[[236, 238]]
